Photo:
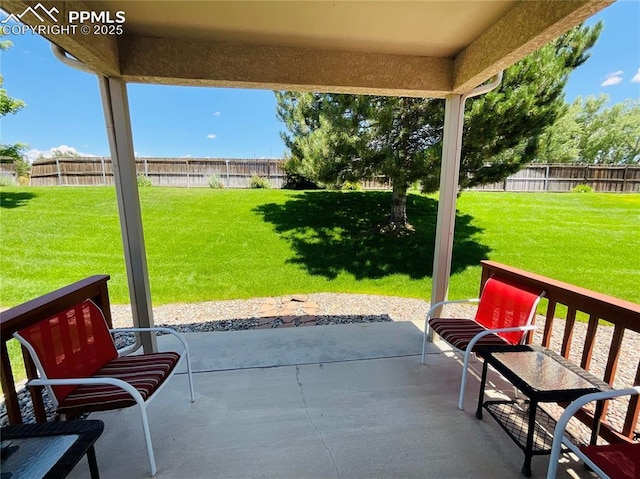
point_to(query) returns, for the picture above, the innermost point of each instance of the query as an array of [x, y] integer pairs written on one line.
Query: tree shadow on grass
[[15, 199], [333, 232]]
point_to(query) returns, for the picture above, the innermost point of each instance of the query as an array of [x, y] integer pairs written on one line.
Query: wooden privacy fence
[[236, 173], [564, 177], [178, 172], [7, 167]]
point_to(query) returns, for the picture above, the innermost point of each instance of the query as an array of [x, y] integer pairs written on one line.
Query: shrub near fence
[[236, 173]]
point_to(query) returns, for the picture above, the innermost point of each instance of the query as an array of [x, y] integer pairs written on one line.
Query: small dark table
[[544, 377], [49, 450]]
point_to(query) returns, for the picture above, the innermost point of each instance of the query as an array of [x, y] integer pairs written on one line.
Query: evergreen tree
[[337, 138]]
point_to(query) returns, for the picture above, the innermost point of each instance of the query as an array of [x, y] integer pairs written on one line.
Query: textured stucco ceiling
[[433, 29], [419, 48]]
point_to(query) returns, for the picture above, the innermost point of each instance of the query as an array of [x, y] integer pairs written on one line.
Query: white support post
[[118, 123], [451, 151]]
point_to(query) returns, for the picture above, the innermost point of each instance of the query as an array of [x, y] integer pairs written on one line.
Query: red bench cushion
[[459, 332], [618, 461], [144, 372]]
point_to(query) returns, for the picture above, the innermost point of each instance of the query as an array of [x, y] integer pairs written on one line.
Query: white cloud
[[636, 77], [34, 154], [613, 78], [185, 156], [217, 113], [211, 135]]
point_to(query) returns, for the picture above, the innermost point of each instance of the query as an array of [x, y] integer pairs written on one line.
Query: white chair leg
[[147, 438], [463, 381], [424, 339], [189, 373]]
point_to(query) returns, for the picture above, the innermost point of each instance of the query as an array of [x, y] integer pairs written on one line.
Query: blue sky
[[64, 107]]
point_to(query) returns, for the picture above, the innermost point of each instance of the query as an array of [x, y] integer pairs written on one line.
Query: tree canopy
[[592, 132], [337, 138]]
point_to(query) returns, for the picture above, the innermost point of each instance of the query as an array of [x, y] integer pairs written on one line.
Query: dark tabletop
[[68, 441]]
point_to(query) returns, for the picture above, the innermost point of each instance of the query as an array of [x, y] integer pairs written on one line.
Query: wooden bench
[[25, 314], [75, 355]]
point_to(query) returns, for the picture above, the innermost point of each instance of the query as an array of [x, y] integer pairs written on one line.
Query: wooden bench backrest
[[32, 312]]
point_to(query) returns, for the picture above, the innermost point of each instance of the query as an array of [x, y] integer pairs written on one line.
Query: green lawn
[[205, 244]]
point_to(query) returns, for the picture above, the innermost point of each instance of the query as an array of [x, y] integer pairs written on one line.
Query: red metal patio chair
[[81, 368], [504, 315], [609, 461]]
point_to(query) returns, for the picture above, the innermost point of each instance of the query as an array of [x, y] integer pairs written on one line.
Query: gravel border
[[328, 305]]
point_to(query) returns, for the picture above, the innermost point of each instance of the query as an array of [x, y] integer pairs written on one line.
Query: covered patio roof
[[442, 49], [413, 48]]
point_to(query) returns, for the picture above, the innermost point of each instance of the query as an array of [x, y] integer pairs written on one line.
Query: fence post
[[226, 162], [546, 178], [146, 168], [586, 174], [59, 172], [187, 165], [624, 178]]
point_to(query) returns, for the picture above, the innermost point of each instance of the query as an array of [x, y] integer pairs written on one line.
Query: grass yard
[[590, 240], [205, 244]]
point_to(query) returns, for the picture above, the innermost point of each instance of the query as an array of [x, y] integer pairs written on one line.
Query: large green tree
[[336, 138], [609, 135], [340, 138], [592, 132], [559, 143]]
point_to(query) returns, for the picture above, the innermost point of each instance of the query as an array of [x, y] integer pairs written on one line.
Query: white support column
[[118, 123], [451, 151]]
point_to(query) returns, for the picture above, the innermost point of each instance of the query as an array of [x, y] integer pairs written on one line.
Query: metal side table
[[544, 377], [50, 449]]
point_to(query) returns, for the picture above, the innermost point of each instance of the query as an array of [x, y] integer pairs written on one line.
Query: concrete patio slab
[[312, 403]]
